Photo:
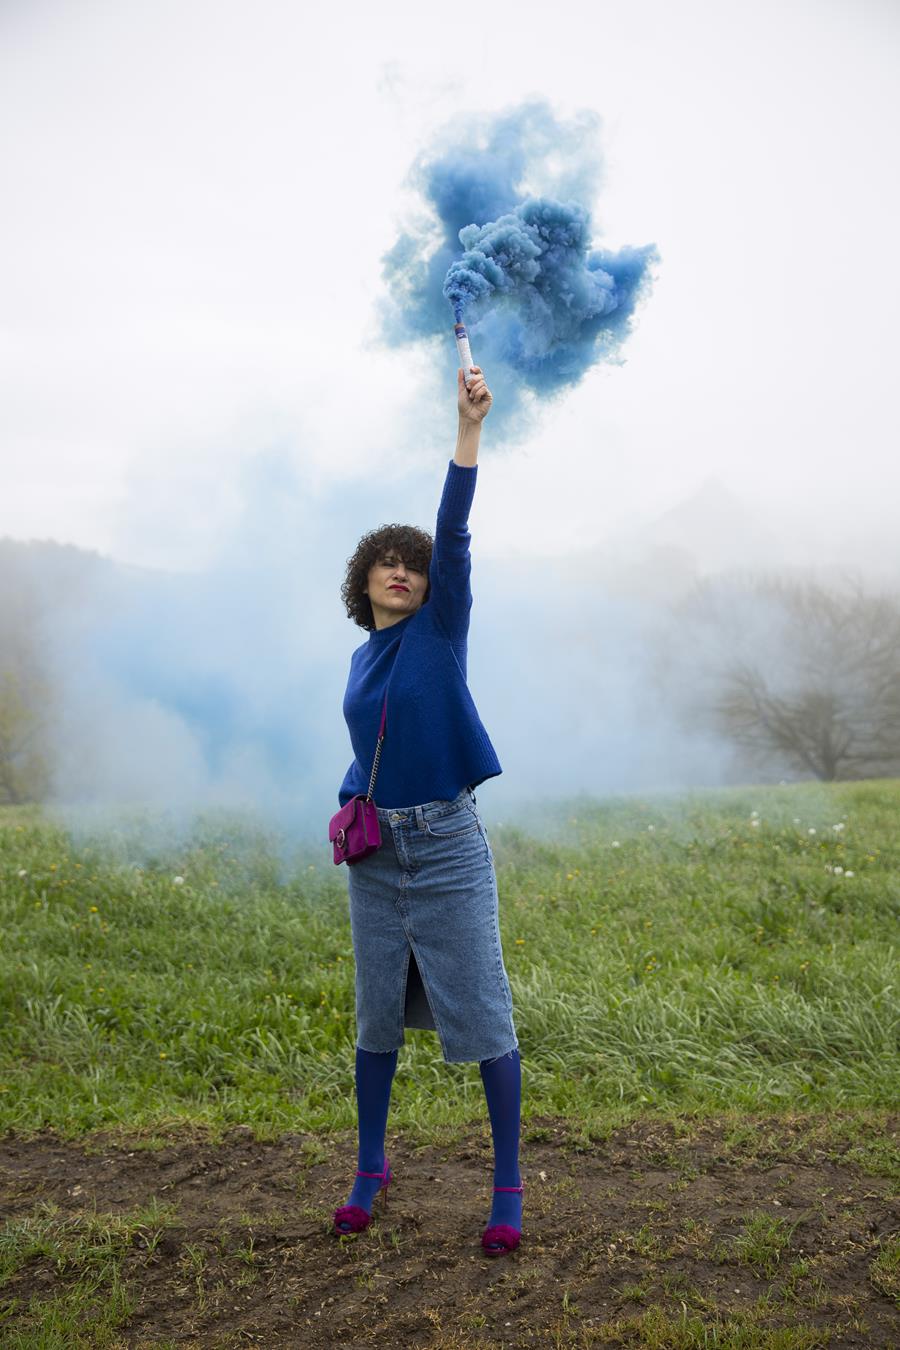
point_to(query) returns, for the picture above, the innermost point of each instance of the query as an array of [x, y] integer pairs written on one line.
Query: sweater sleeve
[[451, 562]]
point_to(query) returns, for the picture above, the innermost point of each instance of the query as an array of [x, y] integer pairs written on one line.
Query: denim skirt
[[426, 935]]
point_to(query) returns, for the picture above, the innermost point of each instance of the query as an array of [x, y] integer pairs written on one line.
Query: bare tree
[[26, 699], [796, 671], [24, 771]]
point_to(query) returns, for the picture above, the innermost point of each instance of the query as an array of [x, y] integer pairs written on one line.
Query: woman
[[423, 906]]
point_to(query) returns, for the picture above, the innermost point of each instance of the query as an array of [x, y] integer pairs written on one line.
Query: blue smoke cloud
[[177, 695], [515, 255]]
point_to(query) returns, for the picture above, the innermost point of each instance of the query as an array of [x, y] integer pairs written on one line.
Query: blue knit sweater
[[434, 744]]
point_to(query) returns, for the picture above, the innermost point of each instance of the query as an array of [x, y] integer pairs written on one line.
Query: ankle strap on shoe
[[382, 1175]]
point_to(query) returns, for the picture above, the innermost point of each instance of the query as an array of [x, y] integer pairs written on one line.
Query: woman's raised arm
[[451, 565]]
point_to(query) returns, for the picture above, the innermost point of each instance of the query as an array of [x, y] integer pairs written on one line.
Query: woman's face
[[395, 589]]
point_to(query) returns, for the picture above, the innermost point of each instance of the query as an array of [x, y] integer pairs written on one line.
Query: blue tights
[[502, 1078], [374, 1076]]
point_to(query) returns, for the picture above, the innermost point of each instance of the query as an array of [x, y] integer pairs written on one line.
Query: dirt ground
[[616, 1232]]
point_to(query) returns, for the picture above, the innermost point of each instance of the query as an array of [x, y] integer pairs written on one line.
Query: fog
[[181, 692]]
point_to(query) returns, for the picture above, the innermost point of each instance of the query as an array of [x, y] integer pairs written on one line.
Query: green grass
[[666, 954], [762, 1243], [86, 1254]]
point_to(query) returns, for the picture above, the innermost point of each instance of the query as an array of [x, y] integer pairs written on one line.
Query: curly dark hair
[[407, 542]]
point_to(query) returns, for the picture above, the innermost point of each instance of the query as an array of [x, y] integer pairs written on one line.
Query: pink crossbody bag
[[354, 830]]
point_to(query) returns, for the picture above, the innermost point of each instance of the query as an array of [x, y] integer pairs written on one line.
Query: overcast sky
[[197, 197]]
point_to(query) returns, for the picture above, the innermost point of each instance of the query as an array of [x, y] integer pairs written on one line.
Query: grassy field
[[693, 958], [679, 963]]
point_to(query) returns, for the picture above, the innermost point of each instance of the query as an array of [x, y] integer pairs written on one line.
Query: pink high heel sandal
[[354, 1215], [498, 1238]]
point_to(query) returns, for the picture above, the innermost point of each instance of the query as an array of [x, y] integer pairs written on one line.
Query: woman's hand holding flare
[[474, 406], [475, 402]]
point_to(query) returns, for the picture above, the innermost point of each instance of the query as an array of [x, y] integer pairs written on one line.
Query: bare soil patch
[[652, 1217]]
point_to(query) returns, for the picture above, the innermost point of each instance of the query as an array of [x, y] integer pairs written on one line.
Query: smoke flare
[[542, 303]]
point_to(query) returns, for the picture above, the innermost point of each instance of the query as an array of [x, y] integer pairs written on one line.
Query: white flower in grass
[[615, 843], [811, 830], [796, 820], [754, 824], [828, 867], [178, 881], [838, 827], [846, 874], [754, 813], [651, 827], [23, 872], [838, 871]]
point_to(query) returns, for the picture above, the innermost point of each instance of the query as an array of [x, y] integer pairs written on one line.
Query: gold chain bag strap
[[354, 831]]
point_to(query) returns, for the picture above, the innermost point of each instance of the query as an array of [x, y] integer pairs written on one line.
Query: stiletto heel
[[498, 1238], [355, 1216]]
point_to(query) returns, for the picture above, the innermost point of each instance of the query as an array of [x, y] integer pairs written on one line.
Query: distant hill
[[659, 559], [45, 575], [715, 528], [712, 531]]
